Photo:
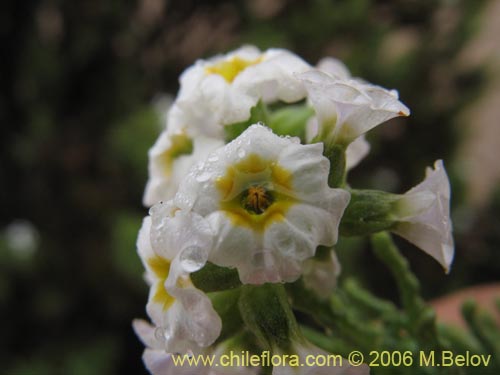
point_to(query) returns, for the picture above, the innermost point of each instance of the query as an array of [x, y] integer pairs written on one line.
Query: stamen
[[257, 199]]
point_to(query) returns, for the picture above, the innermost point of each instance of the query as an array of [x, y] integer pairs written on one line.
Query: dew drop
[[205, 176], [286, 245], [182, 198], [160, 334], [192, 258], [200, 337]]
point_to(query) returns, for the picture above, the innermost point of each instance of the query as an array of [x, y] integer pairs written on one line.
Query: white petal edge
[[430, 229]]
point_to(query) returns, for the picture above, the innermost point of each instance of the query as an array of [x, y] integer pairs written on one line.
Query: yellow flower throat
[[230, 68], [255, 192], [161, 269]]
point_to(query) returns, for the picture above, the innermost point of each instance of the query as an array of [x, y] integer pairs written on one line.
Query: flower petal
[[201, 324], [430, 226], [274, 78], [320, 275], [159, 362], [356, 151], [174, 230], [268, 203], [222, 90], [175, 243], [353, 107], [334, 68], [146, 333], [174, 152]]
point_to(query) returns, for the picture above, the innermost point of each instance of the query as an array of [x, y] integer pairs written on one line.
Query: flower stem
[[336, 154]]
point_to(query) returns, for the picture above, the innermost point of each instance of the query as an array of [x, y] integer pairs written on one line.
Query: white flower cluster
[[260, 203]]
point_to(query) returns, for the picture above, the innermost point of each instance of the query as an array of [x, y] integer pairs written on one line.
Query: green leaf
[[421, 320], [266, 311], [291, 120], [225, 304], [212, 278], [483, 327]]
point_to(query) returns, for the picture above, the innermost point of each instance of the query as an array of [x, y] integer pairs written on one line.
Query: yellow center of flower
[[256, 199], [230, 68], [161, 268], [181, 144], [255, 192]]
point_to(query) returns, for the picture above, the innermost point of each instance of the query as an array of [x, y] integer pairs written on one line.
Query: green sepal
[[258, 113], [238, 342], [369, 211], [225, 303], [212, 278], [266, 311], [291, 120]]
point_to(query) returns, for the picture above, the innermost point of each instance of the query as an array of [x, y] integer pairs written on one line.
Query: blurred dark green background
[[80, 82]]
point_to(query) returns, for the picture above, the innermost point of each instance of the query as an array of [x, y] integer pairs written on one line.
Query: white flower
[[160, 362], [424, 216], [320, 275], [175, 151], [312, 360], [334, 68], [347, 108], [162, 103], [355, 152], [222, 90], [172, 244], [268, 202], [357, 149], [155, 358]]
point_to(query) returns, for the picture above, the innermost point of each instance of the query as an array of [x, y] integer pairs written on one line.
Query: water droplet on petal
[[241, 153], [286, 245], [182, 200], [192, 258], [160, 334], [205, 176]]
